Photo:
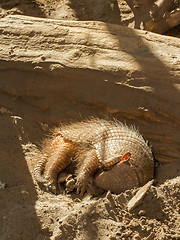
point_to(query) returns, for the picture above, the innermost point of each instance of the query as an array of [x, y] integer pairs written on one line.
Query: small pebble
[[136, 237], [43, 58], [2, 185], [142, 213], [113, 238], [77, 200]]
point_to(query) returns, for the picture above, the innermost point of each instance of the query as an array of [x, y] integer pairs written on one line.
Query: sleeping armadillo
[[106, 153]]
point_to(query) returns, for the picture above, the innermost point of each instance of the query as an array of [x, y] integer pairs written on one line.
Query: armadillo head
[[118, 179]]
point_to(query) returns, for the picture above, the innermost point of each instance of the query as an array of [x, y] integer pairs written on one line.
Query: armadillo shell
[[120, 178]]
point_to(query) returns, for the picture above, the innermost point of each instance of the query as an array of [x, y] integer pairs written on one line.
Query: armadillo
[[107, 154]]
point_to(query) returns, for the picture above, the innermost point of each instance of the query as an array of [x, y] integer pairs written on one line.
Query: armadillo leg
[[88, 168], [58, 161]]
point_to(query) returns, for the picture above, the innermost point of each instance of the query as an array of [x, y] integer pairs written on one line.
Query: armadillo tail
[[39, 169]]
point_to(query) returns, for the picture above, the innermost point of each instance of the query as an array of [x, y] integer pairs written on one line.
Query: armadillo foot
[[83, 180]]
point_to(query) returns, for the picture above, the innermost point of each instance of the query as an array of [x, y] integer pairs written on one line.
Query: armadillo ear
[[58, 134], [126, 157]]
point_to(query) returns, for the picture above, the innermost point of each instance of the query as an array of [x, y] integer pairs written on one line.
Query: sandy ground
[[27, 211]]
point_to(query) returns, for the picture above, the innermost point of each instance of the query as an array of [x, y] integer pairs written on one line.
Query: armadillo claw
[[52, 188], [70, 185], [81, 190], [82, 184]]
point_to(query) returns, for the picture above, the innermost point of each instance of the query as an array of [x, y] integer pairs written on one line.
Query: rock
[[137, 199]]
